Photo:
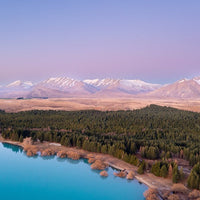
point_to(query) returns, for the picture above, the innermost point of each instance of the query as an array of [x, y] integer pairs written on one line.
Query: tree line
[[154, 132]]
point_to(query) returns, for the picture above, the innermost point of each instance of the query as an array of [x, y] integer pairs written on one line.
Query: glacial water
[[52, 178]]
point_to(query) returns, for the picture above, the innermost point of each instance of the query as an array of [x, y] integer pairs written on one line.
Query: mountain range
[[63, 87]]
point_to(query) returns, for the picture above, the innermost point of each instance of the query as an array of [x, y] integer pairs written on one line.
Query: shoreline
[[150, 180]]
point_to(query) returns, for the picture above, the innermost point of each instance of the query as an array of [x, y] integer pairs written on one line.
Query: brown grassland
[[13, 105]]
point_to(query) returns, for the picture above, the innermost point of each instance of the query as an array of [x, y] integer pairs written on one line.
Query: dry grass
[[73, 155], [48, 152], [104, 173], [151, 194], [98, 164], [173, 197], [30, 150], [195, 194], [13, 105], [179, 188], [130, 175], [91, 160], [120, 174], [62, 154]]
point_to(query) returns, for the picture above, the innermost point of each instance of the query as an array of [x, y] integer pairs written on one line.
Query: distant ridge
[[185, 88], [63, 87]]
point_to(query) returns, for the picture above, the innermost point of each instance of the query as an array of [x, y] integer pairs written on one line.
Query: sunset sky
[[155, 41]]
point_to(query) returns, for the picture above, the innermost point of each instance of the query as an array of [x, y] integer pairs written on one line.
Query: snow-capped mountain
[[16, 89], [126, 86], [197, 79], [61, 87], [185, 88], [71, 87], [101, 83], [19, 85], [138, 86], [60, 83]]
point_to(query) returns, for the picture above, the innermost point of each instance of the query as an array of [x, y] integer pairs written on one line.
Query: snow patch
[[14, 84], [20, 84], [197, 79], [101, 82], [183, 80], [60, 82]]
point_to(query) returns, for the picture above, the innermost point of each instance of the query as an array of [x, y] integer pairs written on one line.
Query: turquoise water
[[52, 178]]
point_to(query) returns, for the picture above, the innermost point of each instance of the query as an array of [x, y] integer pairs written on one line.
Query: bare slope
[[182, 89]]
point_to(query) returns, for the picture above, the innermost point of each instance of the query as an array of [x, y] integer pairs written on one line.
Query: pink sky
[[154, 41]]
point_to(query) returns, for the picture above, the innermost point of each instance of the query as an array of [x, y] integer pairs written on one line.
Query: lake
[[53, 178]]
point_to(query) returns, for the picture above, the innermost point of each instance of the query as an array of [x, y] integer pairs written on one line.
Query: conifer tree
[[163, 171], [176, 174]]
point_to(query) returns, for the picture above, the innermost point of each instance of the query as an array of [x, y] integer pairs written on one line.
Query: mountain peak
[[14, 84], [19, 83], [197, 79], [58, 87], [185, 88], [60, 82], [183, 80], [101, 83]]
